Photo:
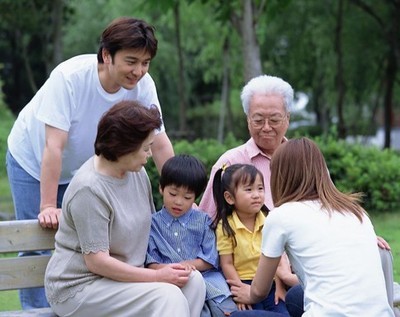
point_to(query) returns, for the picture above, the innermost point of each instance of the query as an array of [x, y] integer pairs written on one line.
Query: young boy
[[181, 234]]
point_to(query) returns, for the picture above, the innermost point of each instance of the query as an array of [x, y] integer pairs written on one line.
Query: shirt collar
[[253, 150], [168, 219], [257, 226]]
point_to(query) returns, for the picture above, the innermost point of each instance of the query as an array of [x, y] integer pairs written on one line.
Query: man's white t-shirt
[[73, 100], [336, 259]]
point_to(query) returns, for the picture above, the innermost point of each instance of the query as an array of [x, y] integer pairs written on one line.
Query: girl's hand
[[280, 294], [242, 306], [280, 290], [382, 243], [240, 291]]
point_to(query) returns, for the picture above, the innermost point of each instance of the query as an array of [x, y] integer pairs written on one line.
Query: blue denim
[[25, 191], [268, 303], [256, 313], [295, 301]]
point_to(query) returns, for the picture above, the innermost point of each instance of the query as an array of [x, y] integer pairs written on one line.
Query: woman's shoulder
[[84, 174], [289, 212], [286, 207]]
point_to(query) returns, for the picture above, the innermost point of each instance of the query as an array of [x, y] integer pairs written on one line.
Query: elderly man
[[266, 102]]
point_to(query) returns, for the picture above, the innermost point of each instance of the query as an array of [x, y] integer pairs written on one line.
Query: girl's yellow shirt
[[248, 249]]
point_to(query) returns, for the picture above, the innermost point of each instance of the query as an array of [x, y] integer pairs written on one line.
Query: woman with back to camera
[[97, 268], [327, 235]]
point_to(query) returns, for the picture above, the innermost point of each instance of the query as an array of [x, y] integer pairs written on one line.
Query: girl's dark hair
[[184, 171], [127, 33], [124, 127], [228, 179]]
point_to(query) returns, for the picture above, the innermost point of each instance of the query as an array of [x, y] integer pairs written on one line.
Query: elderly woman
[[97, 267]]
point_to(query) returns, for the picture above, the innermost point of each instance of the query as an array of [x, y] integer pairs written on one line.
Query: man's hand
[[49, 217]]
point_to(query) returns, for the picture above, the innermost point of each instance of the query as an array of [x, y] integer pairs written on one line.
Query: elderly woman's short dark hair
[[124, 127]]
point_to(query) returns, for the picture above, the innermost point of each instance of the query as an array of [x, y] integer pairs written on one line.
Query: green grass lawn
[[9, 301], [386, 225]]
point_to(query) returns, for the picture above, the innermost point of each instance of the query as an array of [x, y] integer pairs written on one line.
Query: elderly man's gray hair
[[267, 85]]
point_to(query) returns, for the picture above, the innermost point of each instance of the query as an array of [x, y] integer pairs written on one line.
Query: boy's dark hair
[[127, 33], [184, 170]]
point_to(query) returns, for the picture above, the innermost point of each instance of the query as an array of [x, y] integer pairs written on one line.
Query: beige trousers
[[108, 298]]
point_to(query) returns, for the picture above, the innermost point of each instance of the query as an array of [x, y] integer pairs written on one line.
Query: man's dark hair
[[127, 33]]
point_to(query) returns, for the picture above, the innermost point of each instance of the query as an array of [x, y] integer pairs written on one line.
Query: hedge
[[353, 168]]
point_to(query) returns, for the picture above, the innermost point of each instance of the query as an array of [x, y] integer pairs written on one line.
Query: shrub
[[353, 168], [6, 122], [357, 168]]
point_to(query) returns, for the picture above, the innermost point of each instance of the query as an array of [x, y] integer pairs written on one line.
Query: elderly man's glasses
[[274, 121]]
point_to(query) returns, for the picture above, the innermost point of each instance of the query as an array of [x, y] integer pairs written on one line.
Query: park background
[[342, 58]]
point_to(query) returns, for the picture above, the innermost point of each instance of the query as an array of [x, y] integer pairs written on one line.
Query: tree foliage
[[345, 58], [31, 44]]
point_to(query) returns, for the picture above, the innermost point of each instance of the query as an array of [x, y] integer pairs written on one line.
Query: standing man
[[54, 134]]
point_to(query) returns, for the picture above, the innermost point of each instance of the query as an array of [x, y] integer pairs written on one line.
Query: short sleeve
[[208, 251], [91, 218], [224, 243], [153, 254], [273, 237], [57, 102]]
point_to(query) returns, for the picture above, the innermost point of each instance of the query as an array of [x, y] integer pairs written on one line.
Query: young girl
[[327, 235], [239, 195]]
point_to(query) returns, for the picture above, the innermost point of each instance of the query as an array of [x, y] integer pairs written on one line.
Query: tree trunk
[[181, 81], [57, 18], [319, 103], [251, 48], [225, 91], [22, 43], [340, 83], [390, 28], [391, 70]]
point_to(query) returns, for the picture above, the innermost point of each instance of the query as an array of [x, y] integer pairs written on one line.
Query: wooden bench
[[28, 271]]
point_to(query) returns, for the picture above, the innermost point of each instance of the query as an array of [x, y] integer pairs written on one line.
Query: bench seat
[[38, 312]]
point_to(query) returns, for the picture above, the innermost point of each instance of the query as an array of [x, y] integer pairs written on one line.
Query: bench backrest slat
[[27, 271], [22, 272], [25, 235]]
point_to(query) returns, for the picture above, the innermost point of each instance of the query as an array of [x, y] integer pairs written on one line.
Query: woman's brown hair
[[124, 127], [299, 172]]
